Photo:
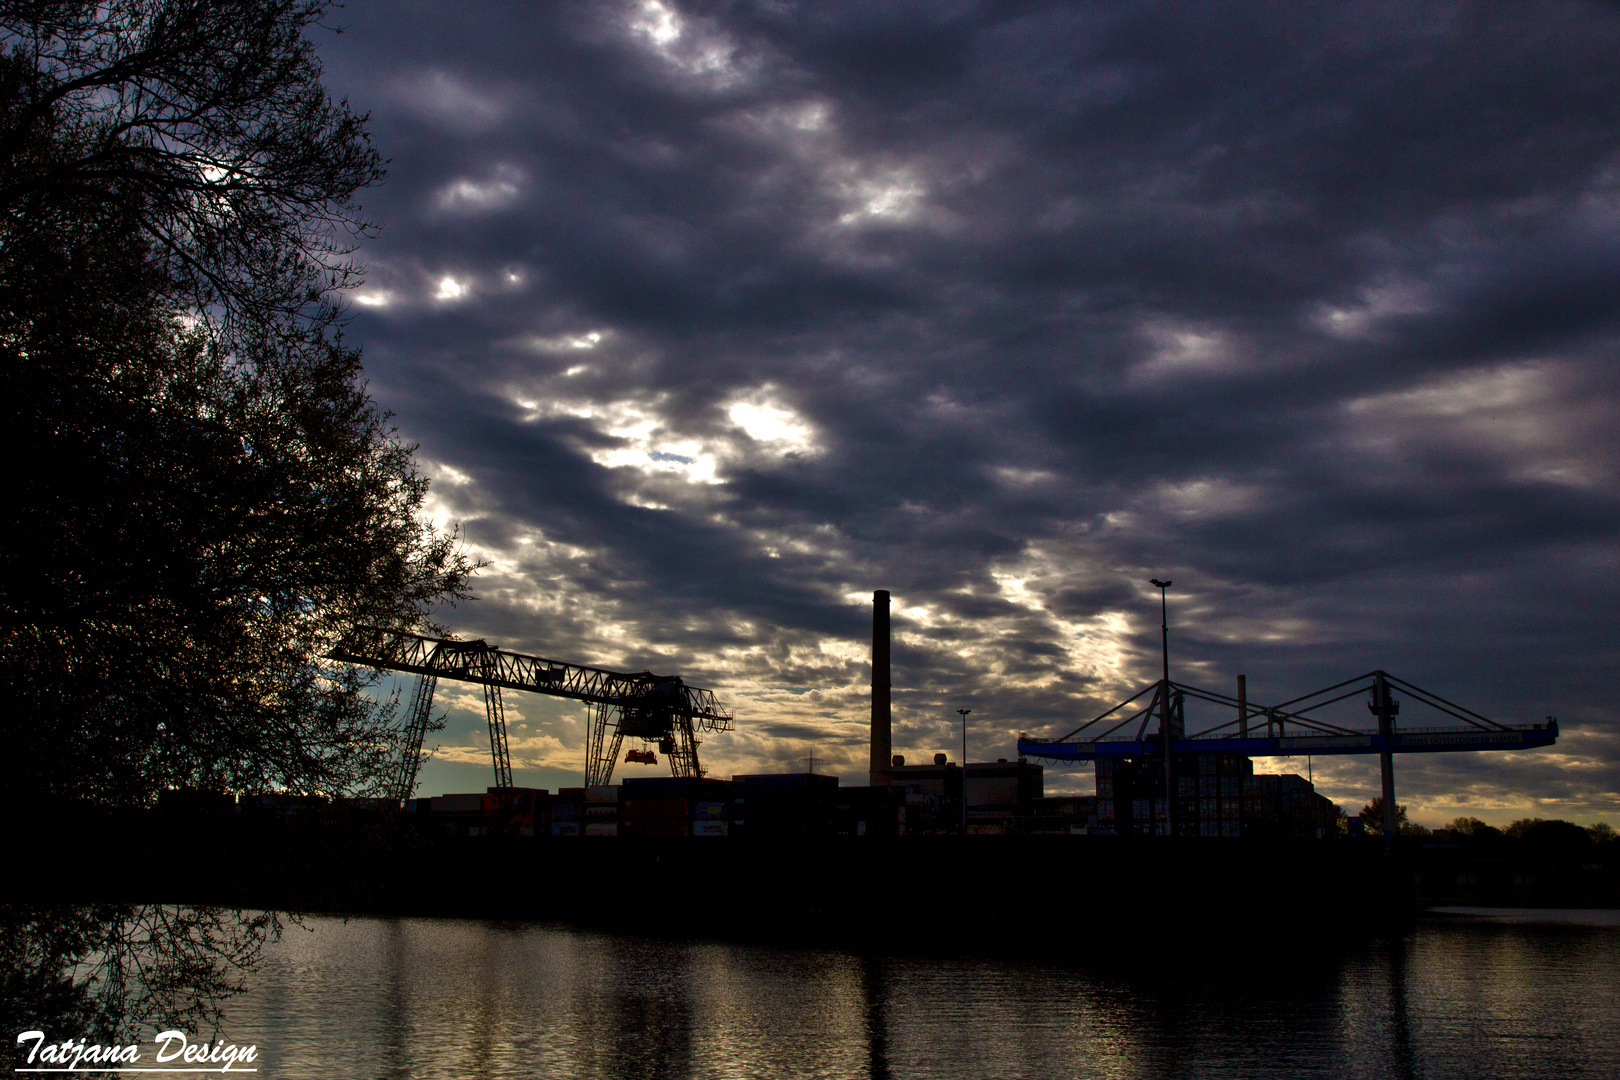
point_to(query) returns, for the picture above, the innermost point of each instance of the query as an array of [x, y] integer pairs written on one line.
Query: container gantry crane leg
[[402, 785]]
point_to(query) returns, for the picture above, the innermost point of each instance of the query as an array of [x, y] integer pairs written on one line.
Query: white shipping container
[[711, 828], [602, 828]]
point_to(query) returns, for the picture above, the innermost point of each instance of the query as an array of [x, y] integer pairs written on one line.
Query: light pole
[[1164, 700], [1164, 624], [963, 713]]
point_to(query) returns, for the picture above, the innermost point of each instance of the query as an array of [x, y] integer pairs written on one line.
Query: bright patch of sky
[[697, 49], [767, 421], [1519, 414], [495, 192]]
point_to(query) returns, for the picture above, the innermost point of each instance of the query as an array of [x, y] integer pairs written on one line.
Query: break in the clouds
[[712, 318]]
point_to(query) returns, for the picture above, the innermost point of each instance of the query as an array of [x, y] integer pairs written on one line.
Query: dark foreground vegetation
[[202, 495]]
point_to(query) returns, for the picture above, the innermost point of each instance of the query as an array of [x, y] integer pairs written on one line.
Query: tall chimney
[[880, 689]]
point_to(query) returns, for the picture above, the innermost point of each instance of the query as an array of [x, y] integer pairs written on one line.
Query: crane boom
[[640, 704]]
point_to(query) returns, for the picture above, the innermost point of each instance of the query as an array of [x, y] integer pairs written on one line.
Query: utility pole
[[1164, 699], [964, 715]]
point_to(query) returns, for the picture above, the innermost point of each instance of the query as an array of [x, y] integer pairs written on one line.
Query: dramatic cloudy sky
[[712, 318]]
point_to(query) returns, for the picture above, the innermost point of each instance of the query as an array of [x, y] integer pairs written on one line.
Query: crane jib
[[477, 662], [639, 705]]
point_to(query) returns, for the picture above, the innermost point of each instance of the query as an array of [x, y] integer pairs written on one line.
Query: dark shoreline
[[1064, 892]]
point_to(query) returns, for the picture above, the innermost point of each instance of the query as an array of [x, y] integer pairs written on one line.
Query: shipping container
[[458, 804], [710, 811], [565, 828], [602, 793], [566, 811], [602, 812], [676, 787], [713, 828], [601, 828], [662, 807], [653, 826], [763, 785]]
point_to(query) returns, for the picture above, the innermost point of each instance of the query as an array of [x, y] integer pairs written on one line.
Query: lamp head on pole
[[1160, 584]]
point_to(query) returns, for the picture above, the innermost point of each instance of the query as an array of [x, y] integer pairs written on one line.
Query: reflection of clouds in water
[[458, 998]]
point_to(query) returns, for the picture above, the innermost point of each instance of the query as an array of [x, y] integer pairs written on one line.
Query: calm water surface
[[462, 999]]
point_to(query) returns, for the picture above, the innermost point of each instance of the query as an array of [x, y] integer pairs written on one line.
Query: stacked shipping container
[[1216, 795]]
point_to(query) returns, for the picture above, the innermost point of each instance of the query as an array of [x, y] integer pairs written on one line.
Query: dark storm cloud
[[713, 318]]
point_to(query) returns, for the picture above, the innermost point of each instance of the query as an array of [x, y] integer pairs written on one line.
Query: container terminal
[[1205, 787], [937, 844]]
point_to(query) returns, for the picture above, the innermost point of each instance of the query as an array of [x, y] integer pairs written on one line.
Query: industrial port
[[936, 845], [1205, 788]]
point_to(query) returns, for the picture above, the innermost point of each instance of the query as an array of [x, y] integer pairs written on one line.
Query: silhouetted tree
[[1473, 829], [203, 495], [1550, 839], [1372, 816], [205, 124]]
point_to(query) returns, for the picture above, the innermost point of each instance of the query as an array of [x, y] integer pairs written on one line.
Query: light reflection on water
[[446, 998]]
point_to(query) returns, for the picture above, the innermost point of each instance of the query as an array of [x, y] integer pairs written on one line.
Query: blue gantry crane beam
[[1298, 726], [641, 705]]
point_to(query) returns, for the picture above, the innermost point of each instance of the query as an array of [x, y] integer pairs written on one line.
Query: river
[[1535, 995]]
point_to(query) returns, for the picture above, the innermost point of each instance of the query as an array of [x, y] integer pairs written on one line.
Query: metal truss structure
[[640, 705], [1260, 730], [1264, 731], [402, 784]]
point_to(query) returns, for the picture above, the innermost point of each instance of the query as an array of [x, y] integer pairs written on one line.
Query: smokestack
[[880, 689]]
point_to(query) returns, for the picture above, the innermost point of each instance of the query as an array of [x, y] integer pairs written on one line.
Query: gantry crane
[[642, 705], [1265, 730]]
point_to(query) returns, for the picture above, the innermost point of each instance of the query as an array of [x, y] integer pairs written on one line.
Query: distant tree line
[[1540, 834]]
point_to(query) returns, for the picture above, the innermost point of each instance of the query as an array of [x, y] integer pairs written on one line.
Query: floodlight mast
[[1164, 624]]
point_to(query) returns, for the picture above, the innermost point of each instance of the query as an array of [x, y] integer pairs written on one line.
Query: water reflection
[[426, 998]]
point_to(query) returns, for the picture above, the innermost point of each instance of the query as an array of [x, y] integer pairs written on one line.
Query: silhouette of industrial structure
[[1154, 777]]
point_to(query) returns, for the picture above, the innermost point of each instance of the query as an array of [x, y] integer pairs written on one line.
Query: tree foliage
[[204, 494], [105, 971], [203, 121]]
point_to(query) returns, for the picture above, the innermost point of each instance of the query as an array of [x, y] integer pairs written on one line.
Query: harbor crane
[[653, 708], [1313, 733], [1293, 728]]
